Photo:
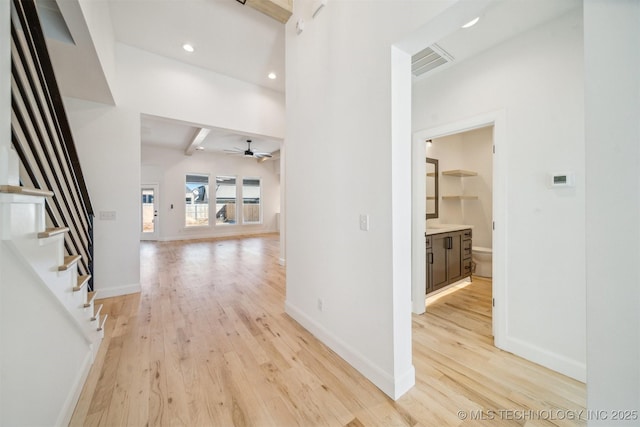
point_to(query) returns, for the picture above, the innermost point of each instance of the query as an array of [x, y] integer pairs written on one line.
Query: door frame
[[418, 266], [156, 203]]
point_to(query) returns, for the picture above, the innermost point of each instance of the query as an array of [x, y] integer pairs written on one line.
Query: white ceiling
[[240, 42], [499, 21], [165, 133], [229, 38]]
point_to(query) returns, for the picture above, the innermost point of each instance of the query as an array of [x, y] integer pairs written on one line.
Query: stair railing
[[41, 135]]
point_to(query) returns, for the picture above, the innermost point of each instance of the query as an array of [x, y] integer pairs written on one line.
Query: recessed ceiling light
[[471, 23], [189, 48], [272, 75]]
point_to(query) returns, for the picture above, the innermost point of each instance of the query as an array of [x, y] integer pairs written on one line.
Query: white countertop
[[445, 228]]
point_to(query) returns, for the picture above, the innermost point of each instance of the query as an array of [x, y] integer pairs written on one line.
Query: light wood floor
[[207, 343]]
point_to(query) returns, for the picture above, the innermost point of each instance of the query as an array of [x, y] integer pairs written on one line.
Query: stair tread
[[69, 261], [104, 320], [53, 231], [81, 281], [17, 189], [97, 313], [90, 296]]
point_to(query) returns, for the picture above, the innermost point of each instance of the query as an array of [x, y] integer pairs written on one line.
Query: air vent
[[429, 59]]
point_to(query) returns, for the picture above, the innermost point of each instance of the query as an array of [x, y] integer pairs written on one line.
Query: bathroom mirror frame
[[432, 187]]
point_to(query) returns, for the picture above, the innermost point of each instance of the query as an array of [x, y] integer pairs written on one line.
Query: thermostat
[[561, 179]]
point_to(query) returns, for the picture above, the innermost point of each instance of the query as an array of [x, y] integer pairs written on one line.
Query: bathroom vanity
[[448, 255]]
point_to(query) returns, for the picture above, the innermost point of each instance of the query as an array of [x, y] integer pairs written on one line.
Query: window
[[225, 200], [197, 200], [251, 200]]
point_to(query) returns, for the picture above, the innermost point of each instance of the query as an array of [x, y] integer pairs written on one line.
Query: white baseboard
[[392, 387], [64, 418], [117, 291], [556, 362], [233, 232]]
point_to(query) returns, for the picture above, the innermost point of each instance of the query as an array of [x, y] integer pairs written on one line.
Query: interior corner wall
[[107, 139], [449, 151], [340, 282], [612, 109], [168, 168], [98, 18], [108, 143], [470, 150], [537, 79], [163, 87]]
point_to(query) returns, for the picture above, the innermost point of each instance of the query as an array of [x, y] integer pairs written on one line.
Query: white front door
[[149, 215]]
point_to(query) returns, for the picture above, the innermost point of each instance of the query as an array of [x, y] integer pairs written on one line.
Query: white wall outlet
[[364, 222], [107, 215], [320, 304]]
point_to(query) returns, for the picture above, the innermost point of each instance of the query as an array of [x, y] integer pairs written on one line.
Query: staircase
[[50, 328], [24, 233], [51, 301]]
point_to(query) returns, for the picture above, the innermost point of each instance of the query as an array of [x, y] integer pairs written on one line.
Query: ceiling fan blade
[[266, 155]]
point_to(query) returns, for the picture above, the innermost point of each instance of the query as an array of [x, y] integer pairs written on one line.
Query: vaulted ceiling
[[238, 41]]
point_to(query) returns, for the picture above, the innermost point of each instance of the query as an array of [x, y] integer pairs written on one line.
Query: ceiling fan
[[249, 153]]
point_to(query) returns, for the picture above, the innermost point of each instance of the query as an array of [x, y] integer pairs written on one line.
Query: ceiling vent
[[429, 59]]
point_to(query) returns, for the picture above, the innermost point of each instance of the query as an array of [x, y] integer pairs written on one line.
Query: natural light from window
[[226, 194], [197, 200], [251, 201]]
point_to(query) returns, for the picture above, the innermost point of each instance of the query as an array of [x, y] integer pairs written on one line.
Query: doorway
[[495, 235], [149, 227], [465, 198]]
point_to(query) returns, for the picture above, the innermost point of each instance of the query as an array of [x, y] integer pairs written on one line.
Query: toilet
[[482, 259]]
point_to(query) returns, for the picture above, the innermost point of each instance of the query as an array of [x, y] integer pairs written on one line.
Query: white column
[[612, 109]]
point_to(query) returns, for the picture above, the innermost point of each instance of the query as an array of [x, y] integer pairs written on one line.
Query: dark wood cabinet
[[448, 258]]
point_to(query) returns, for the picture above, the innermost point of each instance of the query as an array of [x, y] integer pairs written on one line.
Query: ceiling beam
[[280, 10], [198, 137]]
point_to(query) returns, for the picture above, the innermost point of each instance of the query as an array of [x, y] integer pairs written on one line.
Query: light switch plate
[[364, 222]]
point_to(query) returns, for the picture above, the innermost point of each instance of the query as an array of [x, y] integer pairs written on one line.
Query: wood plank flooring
[[207, 343]]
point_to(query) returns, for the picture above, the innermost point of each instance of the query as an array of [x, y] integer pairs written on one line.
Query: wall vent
[[429, 59]]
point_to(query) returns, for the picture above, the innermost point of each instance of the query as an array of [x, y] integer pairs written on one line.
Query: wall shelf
[[459, 197], [459, 172]]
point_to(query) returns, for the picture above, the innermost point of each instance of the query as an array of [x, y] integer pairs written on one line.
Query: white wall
[[5, 90], [612, 106], [5, 137], [45, 358], [471, 150], [107, 139], [108, 143], [537, 80], [168, 168], [98, 19], [159, 86], [339, 166]]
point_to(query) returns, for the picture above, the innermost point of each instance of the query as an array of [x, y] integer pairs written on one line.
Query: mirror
[[432, 188]]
